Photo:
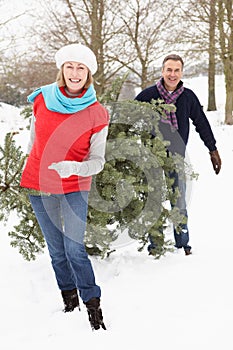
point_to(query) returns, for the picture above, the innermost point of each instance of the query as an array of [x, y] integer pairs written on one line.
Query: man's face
[[172, 74]]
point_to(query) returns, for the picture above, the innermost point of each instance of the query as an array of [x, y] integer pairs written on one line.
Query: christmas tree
[[26, 236], [129, 193]]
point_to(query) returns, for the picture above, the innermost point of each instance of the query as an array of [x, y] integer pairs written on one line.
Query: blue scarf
[[57, 102]]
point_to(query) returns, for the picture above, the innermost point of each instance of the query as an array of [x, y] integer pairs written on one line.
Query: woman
[[68, 137]]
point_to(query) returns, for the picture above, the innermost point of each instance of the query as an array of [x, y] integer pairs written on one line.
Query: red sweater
[[61, 137]]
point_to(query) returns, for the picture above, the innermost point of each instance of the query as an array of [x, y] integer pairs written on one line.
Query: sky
[[18, 10], [20, 17], [177, 302]]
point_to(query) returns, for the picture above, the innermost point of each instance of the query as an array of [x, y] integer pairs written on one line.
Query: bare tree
[[199, 18], [124, 35], [133, 36], [225, 26], [145, 32], [212, 48], [92, 23], [214, 25]]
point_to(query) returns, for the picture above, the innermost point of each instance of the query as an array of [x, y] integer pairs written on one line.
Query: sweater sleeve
[[32, 134], [96, 159], [202, 124]]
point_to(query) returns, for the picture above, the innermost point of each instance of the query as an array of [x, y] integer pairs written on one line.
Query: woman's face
[[75, 75]]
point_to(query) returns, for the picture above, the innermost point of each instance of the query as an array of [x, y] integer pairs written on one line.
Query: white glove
[[66, 168]]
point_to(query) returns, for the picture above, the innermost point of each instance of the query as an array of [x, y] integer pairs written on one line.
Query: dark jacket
[[187, 106]]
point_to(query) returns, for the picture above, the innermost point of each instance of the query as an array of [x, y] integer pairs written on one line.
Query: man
[[175, 128]]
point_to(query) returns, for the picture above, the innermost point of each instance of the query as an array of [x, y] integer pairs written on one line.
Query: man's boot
[[70, 299], [95, 313]]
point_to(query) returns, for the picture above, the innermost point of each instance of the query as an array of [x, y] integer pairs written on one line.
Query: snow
[[176, 302]]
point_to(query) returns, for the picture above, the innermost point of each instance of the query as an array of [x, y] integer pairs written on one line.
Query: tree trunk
[[211, 68], [225, 25], [229, 91], [96, 20]]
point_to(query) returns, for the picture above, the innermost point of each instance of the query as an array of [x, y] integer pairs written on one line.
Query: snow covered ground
[[175, 303]]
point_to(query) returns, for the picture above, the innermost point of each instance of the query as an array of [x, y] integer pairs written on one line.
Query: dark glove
[[216, 161]]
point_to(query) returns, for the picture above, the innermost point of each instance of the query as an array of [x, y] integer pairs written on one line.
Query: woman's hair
[[61, 80], [174, 58]]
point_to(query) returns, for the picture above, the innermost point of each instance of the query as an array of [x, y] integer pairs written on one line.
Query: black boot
[[70, 299], [95, 313]]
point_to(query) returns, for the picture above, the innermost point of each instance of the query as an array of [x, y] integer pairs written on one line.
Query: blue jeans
[[181, 237], [62, 219]]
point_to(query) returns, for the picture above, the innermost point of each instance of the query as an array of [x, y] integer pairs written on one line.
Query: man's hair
[[174, 58]]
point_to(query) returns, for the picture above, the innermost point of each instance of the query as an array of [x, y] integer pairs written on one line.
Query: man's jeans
[[181, 237], [62, 219]]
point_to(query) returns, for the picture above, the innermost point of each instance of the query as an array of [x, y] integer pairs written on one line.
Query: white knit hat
[[77, 53]]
